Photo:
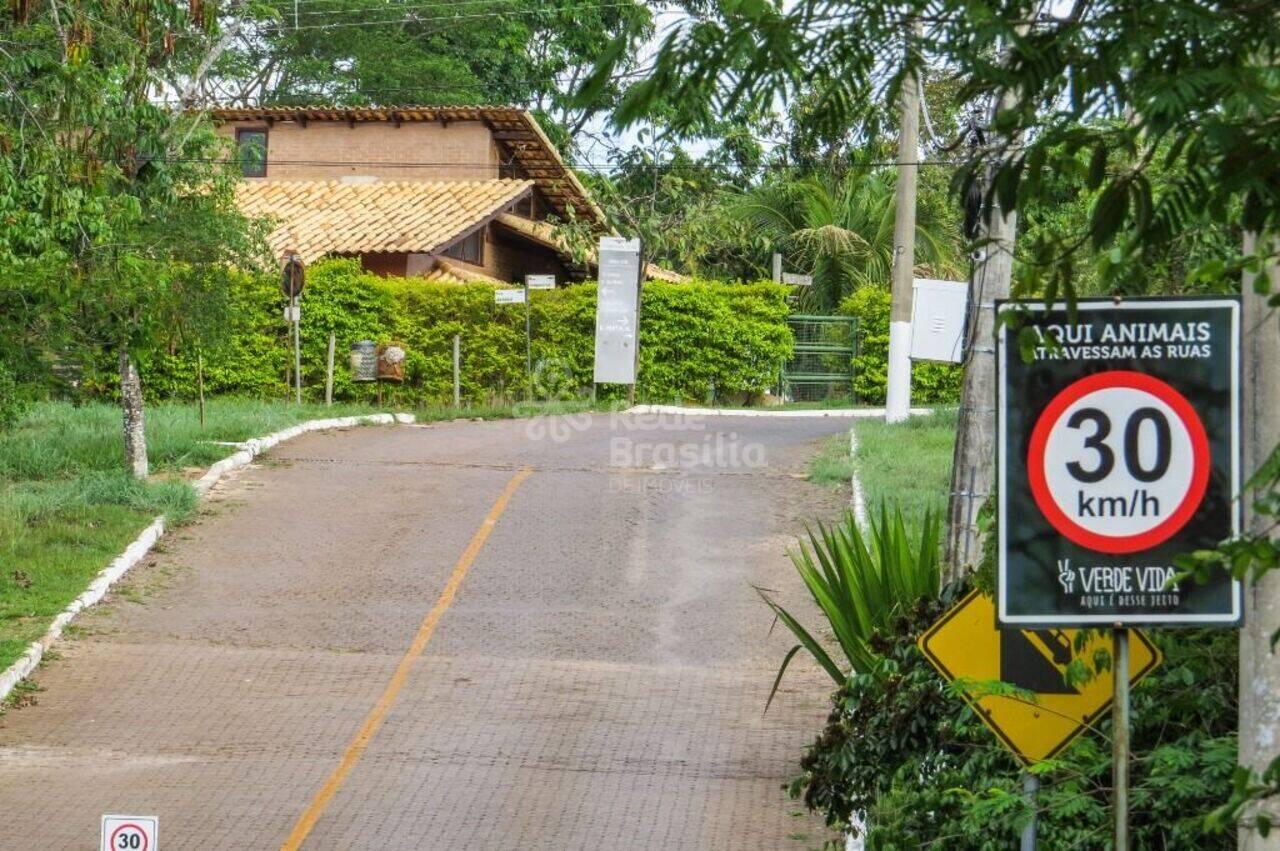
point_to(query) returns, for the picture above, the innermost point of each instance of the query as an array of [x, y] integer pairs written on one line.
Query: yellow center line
[[378, 713]]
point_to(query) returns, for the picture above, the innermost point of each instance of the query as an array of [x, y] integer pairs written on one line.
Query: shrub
[[908, 758], [12, 404], [860, 582], [695, 338], [931, 382]]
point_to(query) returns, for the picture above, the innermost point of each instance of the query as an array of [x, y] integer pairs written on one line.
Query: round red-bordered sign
[[138, 830], [1053, 414]]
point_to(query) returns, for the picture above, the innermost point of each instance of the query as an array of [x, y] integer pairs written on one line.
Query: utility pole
[[898, 398], [1260, 432]]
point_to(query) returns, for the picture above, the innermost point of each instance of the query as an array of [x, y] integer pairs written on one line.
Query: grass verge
[[833, 465], [67, 507], [907, 463]]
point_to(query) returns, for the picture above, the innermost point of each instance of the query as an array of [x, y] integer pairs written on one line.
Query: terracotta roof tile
[[319, 217]]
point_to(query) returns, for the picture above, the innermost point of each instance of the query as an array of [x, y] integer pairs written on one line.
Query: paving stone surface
[[598, 682]]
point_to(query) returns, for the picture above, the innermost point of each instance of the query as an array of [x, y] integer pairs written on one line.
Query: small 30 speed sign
[[130, 833], [1118, 453]]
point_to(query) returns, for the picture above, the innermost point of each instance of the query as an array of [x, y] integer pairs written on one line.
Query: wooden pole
[[328, 374], [457, 370], [1260, 427], [200, 382]]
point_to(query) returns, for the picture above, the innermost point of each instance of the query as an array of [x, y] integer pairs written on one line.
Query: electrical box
[[938, 314]]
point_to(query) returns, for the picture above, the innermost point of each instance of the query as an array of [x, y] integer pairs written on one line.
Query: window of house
[[469, 249], [251, 146]]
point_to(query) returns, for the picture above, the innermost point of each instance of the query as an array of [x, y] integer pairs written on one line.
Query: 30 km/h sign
[[130, 833], [965, 644], [1119, 451]]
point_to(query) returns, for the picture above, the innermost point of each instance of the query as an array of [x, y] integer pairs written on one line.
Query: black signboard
[[1118, 451]]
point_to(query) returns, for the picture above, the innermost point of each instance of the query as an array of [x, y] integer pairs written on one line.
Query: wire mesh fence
[[821, 367]]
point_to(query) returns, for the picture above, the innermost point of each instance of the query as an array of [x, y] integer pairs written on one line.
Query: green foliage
[[860, 582], [908, 758], [908, 462], [931, 382], [839, 226], [696, 339], [12, 403]]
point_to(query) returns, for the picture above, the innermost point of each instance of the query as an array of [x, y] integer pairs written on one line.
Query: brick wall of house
[[510, 259], [329, 150]]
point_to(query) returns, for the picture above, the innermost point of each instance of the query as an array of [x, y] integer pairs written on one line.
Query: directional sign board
[[1119, 451], [966, 645], [617, 305], [540, 282], [797, 280], [507, 295], [130, 833]]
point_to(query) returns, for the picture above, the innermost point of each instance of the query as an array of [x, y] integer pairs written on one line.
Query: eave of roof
[[532, 153], [544, 234]]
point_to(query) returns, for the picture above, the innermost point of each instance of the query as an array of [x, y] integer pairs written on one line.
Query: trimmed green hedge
[[931, 383], [696, 339]]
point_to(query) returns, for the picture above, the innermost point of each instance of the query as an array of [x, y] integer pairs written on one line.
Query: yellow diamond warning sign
[[965, 644]]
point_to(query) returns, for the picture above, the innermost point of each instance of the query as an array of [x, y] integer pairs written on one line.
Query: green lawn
[[907, 463], [67, 508]]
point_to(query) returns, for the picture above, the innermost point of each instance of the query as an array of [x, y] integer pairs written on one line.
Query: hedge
[[696, 339], [931, 382]]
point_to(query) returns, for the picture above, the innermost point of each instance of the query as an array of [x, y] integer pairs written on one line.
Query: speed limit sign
[[1118, 452], [130, 833]]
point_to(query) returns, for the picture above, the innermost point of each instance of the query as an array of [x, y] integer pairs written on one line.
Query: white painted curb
[[856, 500], [134, 553], [681, 410]]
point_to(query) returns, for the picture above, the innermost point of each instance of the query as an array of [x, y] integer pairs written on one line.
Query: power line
[[582, 165]]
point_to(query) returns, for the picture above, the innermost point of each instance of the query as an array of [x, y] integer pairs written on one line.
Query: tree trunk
[[1260, 427], [973, 465], [135, 433]]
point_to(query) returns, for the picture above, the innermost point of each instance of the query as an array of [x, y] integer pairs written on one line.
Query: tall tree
[[109, 199]]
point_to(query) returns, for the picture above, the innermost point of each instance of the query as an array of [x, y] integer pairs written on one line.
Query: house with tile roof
[[445, 193]]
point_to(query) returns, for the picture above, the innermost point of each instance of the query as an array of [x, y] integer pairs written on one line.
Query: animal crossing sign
[[1118, 452], [1044, 712]]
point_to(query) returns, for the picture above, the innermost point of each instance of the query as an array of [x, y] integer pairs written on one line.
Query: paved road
[[402, 639]]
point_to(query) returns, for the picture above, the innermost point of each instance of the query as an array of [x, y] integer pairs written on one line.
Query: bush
[[696, 338], [12, 404], [911, 760], [932, 383]]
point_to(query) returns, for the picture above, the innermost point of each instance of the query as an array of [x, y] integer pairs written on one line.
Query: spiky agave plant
[[860, 582]]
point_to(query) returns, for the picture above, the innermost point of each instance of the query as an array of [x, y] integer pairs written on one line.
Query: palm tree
[[841, 228]]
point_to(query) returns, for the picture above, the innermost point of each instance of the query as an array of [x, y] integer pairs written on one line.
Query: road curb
[[136, 551], [850, 413]]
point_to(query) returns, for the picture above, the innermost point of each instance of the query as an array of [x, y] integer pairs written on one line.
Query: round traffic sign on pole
[[1119, 461]]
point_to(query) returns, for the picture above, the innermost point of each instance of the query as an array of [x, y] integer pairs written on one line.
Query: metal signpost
[[511, 295], [617, 312], [1118, 451], [532, 282]]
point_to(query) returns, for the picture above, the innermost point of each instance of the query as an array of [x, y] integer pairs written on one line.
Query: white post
[[898, 398]]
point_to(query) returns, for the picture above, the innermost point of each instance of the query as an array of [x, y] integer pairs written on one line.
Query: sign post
[[1119, 447], [532, 282]]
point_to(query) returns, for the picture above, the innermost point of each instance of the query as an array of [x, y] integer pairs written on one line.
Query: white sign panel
[[293, 313], [130, 833], [937, 320], [508, 296], [795, 280], [540, 282], [616, 308]]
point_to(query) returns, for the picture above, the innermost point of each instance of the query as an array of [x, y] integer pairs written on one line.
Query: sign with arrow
[[966, 645]]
